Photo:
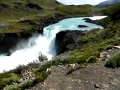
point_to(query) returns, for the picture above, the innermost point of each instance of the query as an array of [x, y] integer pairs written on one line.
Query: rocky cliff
[[68, 40], [10, 40]]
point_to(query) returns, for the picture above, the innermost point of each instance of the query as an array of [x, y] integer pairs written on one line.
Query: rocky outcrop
[[82, 26], [10, 40], [27, 8], [4, 6], [33, 6], [97, 22], [68, 40], [87, 19], [7, 41]]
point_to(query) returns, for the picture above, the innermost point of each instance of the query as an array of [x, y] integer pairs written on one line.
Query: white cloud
[[77, 2]]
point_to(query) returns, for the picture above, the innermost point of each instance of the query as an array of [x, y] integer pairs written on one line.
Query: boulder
[[88, 20], [68, 40], [82, 26]]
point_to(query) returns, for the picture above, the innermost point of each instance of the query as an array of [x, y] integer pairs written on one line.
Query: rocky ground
[[92, 77]]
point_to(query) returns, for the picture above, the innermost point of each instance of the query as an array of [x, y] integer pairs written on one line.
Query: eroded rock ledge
[[68, 40]]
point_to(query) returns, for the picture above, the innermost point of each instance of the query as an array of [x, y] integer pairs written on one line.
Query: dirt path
[[93, 77]]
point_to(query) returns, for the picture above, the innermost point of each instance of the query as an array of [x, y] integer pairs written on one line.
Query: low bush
[[109, 47], [113, 61], [41, 57], [7, 79], [70, 71], [25, 86], [92, 59], [74, 69]]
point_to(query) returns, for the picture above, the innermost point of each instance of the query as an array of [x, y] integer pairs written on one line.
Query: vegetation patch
[[113, 61], [109, 47], [7, 78], [74, 69], [92, 59]]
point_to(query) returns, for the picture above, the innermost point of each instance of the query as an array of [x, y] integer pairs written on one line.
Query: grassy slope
[[43, 3], [11, 16], [79, 10], [108, 36]]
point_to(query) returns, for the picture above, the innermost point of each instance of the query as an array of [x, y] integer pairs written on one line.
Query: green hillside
[[43, 3], [79, 10], [13, 13]]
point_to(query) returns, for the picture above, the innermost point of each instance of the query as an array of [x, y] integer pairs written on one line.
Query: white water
[[26, 51]]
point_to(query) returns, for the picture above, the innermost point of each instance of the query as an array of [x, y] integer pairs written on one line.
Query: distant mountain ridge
[[107, 3]]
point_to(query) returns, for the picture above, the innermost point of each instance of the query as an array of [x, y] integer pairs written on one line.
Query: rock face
[[7, 41], [10, 40], [68, 40], [87, 19]]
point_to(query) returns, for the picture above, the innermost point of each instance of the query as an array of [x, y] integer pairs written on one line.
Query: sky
[[77, 2]]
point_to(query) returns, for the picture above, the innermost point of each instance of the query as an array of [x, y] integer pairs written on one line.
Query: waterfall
[[26, 51]]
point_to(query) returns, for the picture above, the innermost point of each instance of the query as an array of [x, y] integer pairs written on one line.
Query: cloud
[[77, 2]]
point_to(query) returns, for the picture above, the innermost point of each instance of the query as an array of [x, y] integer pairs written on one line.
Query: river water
[[27, 51]]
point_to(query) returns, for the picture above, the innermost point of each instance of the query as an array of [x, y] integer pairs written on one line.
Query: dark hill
[[107, 3]]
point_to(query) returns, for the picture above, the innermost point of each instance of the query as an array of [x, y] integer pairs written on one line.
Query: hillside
[[43, 3], [79, 10], [82, 68], [17, 16]]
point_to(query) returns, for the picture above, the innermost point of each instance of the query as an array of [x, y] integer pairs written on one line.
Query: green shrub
[[100, 49], [13, 87], [109, 47], [18, 69], [114, 61], [116, 41], [7, 79], [74, 69], [80, 59], [26, 85], [70, 71], [92, 59], [38, 79]]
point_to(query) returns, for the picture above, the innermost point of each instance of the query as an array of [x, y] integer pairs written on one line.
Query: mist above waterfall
[[27, 51]]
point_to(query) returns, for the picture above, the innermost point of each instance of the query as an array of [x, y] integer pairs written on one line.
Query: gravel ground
[[93, 77]]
